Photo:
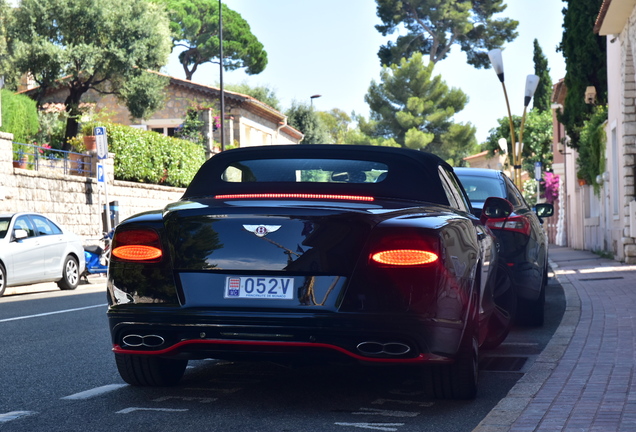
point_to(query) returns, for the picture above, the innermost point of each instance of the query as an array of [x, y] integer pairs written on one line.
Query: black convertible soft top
[[407, 174]]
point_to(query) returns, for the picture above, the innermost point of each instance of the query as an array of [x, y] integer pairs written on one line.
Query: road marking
[[133, 409], [385, 413], [51, 313], [186, 398], [94, 392], [403, 402], [13, 415], [389, 427]]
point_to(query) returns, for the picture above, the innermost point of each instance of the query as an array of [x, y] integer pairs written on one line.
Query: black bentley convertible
[[309, 253]]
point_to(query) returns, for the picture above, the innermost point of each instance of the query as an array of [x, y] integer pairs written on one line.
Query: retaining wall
[[74, 201]]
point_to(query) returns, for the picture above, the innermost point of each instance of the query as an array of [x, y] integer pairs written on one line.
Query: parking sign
[[101, 178], [102, 142]]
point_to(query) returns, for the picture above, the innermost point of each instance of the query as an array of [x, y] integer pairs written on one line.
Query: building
[[249, 122]]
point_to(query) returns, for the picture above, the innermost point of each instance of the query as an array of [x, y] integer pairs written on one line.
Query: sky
[[329, 48]]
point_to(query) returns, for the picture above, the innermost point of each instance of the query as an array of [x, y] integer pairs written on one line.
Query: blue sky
[[329, 47]]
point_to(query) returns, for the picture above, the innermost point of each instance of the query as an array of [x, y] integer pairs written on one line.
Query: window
[[306, 171], [43, 226], [24, 223], [453, 191]]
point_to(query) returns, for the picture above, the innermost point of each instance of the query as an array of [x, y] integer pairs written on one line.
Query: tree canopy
[[195, 28], [585, 64], [434, 26], [106, 45], [261, 93], [303, 117], [415, 109]]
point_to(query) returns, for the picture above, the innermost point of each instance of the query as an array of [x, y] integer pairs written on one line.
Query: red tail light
[[519, 224], [404, 249], [404, 257], [137, 245]]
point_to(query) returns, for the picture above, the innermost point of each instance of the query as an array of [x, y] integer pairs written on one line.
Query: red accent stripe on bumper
[[422, 358]]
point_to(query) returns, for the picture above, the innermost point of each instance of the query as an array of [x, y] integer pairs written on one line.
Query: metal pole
[[222, 96]]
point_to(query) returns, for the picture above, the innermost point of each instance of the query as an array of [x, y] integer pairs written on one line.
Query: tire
[[3, 279], [150, 371], [504, 315], [70, 274], [458, 380], [532, 313]]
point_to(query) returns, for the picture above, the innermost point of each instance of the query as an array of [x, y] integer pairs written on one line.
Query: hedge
[[149, 157], [19, 116]]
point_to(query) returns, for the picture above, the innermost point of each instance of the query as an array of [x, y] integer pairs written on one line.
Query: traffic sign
[[102, 142], [537, 171], [101, 178]]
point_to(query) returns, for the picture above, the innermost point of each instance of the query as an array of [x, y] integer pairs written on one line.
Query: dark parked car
[[523, 243], [308, 252], [34, 249]]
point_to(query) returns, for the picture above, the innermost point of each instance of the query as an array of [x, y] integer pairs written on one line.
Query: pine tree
[[542, 95]]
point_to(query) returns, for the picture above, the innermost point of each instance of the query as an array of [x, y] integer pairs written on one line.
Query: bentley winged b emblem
[[261, 230]]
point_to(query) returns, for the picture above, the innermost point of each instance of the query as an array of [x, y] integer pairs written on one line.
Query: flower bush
[[551, 187]]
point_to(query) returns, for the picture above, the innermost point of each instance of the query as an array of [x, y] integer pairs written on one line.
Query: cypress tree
[[542, 96]]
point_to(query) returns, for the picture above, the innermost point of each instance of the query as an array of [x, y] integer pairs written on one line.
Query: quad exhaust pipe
[[148, 341], [372, 348]]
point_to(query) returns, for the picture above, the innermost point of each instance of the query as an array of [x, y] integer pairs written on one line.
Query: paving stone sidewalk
[[584, 379]]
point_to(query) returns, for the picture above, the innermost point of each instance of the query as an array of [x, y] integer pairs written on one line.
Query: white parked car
[[33, 249]]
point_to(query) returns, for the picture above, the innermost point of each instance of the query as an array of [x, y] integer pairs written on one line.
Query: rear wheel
[[150, 371], [3, 279], [503, 317], [70, 274], [459, 379], [532, 313]]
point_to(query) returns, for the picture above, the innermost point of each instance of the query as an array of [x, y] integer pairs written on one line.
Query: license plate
[[249, 287]]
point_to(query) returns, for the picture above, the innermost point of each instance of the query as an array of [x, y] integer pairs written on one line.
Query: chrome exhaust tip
[[148, 341], [372, 348]]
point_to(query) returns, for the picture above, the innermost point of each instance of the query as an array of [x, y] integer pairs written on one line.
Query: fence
[[38, 158]]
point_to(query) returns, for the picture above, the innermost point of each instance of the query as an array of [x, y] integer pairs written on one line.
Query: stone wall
[[73, 201]]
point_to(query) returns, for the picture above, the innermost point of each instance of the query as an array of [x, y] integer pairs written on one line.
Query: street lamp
[[222, 90], [311, 98], [532, 81]]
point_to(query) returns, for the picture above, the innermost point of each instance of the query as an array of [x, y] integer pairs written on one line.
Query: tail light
[[403, 250], [519, 224], [137, 245]]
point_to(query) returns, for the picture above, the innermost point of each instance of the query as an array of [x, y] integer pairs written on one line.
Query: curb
[[508, 410]]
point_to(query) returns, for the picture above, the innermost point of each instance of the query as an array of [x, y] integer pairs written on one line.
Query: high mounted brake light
[[296, 196], [137, 245]]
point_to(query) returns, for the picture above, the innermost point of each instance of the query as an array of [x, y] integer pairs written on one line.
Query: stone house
[[249, 122]]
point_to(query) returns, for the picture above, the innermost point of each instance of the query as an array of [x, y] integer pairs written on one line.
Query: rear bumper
[[388, 339]]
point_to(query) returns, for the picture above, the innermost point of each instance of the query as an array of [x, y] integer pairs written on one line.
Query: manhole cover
[[502, 364]]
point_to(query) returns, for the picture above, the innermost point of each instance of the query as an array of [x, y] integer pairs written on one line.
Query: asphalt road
[[58, 374]]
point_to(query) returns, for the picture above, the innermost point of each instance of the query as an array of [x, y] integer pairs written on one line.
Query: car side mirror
[[496, 208], [20, 234], [544, 210]]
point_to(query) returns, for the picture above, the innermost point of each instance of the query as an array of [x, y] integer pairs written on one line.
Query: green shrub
[[149, 157], [19, 116]]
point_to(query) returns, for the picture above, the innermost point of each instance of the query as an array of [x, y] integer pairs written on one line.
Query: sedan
[[523, 243], [33, 249], [308, 253]]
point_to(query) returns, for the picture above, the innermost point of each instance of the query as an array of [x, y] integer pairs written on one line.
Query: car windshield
[[305, 171], [4, 226], [480, 188]]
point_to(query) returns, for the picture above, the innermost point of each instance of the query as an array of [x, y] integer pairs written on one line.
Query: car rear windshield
[[480, 188], [305, 171]]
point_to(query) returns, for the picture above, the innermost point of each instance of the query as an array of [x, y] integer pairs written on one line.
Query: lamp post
[[532, 81], [222, 92], [311, 98]]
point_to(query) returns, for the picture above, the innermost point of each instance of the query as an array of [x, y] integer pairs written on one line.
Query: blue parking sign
[[102, 143], [100, 173]]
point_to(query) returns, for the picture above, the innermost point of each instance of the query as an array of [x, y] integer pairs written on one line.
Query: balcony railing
[[38, 158]]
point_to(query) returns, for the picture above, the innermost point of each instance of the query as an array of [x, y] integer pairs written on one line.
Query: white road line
[[51, 313], [7, 417], [133, 409], [385, 413], [94, 392], [389, 427]]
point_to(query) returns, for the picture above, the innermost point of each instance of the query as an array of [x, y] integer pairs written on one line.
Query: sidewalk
[[583, 380]]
